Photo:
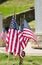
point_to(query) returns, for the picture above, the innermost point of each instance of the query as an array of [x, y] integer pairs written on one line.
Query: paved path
[[2, 50], [32, 52], [28, 50]]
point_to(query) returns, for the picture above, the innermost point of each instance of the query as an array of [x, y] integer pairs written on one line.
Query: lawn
[[10, 6], [32, 24], [26, 61]]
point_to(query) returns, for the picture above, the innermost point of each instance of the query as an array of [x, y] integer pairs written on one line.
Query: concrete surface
[[28, 50]]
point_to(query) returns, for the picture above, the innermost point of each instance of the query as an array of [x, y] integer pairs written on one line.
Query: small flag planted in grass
[[12, 39], [17, 39], [3, 34]]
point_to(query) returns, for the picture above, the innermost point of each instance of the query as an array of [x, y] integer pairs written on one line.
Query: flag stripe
[[7, 37], [27, 33], [30, 37], [16, 43], [14, 40], [10, 40], [28, 30]]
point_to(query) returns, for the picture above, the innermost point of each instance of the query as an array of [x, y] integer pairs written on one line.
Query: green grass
[[10, 6], [32, 24], [33, 60]]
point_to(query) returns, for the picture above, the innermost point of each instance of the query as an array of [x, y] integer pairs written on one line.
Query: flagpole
[[14, 14], [8, 58], [14, 10]]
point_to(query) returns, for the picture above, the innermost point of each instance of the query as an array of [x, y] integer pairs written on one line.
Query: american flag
[[3, 34], [17, 39], [26, 34], [13, 39], [29, 34], [22, 39]]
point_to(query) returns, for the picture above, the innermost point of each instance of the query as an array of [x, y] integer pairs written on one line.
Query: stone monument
[[1, 28], [1, 24], [38, 20]]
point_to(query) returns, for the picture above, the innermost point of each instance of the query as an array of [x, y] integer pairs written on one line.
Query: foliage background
[[10, 6]]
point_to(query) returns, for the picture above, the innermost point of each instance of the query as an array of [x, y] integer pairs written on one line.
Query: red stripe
[[28, 30], [8, 40], [20, 34], [16, 43], [22, 43], [19, 50], [12, 38], [8, 37], [25, 34], [31, 38], [26, 41], [11, 41], [28, 33]]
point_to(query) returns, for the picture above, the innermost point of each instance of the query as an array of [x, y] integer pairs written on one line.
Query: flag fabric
[[23, 40], [3, 34], [22, 28], [12, 39], [27, 32], [17, 39], [20, 36]]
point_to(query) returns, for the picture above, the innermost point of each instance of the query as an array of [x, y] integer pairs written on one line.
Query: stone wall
[[29, 16]]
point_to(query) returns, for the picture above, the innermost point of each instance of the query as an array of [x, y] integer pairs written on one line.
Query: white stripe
[[20, 34], [17, 47], [14, 40], [6, 39], [21, 51], [21, 39], [10, 40], [26, 40], [25, 32], [23, 44], [7, 35], [29, 36], [28, 30]]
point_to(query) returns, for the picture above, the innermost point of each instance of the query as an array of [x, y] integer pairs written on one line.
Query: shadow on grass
[[30, 60], [34, 63], [2, 1]]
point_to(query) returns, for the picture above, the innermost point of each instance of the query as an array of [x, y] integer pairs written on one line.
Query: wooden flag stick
[[21, 59], [14, 58]]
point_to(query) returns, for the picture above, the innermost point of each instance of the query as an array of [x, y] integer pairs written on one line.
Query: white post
[[38, 20], [38, 16], [1, 24]]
